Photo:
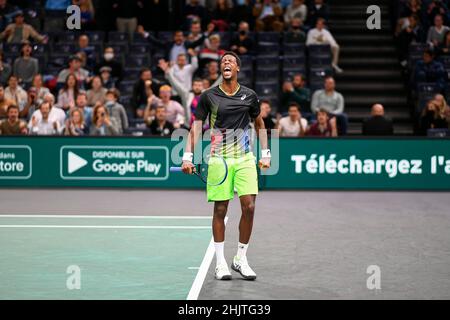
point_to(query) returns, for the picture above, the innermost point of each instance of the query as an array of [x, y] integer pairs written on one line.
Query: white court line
[[98, 216], [203, 270], [98, 227]]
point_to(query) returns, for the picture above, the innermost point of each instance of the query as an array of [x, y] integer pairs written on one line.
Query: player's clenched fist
[[187, 167]]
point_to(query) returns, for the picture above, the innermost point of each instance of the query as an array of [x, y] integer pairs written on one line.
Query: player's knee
[[220, 212], [248, 208]]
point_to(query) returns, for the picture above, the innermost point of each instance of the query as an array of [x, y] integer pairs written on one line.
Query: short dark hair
[[265, 101], [12, 106], [144, 69], [322, 110], [114, 92], [231, 53], [197, 79], [293, 104]]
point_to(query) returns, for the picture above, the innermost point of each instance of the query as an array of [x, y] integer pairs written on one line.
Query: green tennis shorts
[[242, 177]]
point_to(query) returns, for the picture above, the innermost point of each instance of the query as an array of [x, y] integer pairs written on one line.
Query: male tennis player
[[230, 107]]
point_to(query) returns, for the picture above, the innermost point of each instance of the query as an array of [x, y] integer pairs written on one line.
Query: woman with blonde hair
[[434, 115], [75, 125], [102, 123]]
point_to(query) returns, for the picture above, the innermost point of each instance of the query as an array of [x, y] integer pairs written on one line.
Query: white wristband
[[188, 156], [265, 153]]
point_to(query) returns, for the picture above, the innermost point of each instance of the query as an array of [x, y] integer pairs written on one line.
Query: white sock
[[220, 257], [242, 250]]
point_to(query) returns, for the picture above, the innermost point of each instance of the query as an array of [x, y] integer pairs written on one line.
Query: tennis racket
[[213, 170]]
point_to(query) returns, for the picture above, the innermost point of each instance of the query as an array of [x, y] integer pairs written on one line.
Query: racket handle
[[175, 169]]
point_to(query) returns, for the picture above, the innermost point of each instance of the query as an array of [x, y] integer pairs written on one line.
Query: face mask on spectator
[[108, 56]]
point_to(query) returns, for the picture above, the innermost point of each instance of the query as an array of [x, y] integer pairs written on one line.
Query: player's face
[[229, 67]]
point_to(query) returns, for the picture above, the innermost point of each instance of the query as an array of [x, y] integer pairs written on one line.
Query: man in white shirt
[[44, 126], [321, 36], [183, 71], [55, 114], [293, 125]]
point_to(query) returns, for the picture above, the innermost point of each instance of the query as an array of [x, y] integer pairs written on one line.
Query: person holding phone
[[103, 125]]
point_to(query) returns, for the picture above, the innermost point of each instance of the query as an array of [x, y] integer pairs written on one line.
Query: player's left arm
[[261, 131]]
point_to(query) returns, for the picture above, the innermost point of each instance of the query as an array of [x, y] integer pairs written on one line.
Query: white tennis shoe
[[222, 272], [241, 265]]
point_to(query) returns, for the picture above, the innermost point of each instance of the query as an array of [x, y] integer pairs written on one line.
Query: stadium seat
[[225, 39], [428, 88], [119, 48], [118, 37], [438, 133], [268, 37], [268, 49], [126, 87], [95, 37], [138, 60], [66, 37], [267, 88], [293, 62], [66, 48], [137, 131], [292, 37], [12, 48], [294, 49], [165, 35], [290, 72], [125, 100], [319, 50], [140, 48]]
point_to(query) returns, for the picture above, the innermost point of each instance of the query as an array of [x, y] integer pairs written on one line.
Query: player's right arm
[[201, 113]]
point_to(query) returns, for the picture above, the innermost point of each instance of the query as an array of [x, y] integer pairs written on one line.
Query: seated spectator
[[5, 70], [175, 112], [269, 121], [377, 124], [295, 32], [19, 31], [241, 43], [436, 7], [56, 114], [206, 83], [107, 80], [13, 125], [298, 94], [321, 36], [294, 125], [75, 125], [81, 75], [102, 124], [108, 60], [139, 98], [81, 103], [38, 84], [221, 14], [183, 71], [304, 93], [268, 15], [4, 103], [152, 102], [212, 52], [87, 14], [25, 66], [97, 93], [32, 104], [68, 93], [16, 93], [45, 125], [83, 46], [331, 101], [436, 33], [444, 48], [410, 7], [319, 10], [297, 9], [212, 69], [324, 126], [116, 110], [434, 116], [161, 126], [430, 70]]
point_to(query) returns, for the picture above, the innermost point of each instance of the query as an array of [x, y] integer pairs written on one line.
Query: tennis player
[[230, 107]]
